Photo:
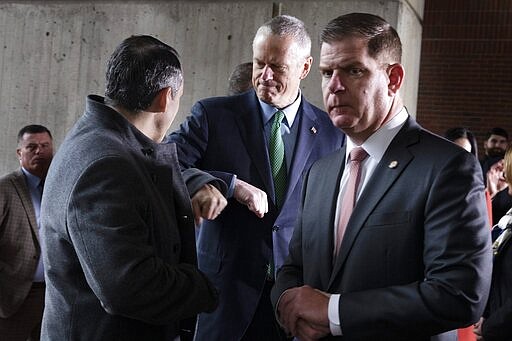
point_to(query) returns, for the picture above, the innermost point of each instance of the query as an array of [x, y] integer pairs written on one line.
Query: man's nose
[[39, 149], [267, 73], [335, 84]]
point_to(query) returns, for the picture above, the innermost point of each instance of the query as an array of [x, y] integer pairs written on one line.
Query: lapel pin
[[393, 164], [313, 130]]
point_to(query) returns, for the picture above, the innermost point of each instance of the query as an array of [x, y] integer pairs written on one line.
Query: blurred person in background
[[22, 286], [495, 144], [463, 137], [240, 79], [496, 323]]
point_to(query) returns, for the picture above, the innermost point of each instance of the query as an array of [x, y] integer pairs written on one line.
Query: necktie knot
[[278, 117], [358, 154]]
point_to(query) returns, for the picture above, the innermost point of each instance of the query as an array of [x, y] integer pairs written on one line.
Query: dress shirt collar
[[290, 112], [379, 141], [32, 180]]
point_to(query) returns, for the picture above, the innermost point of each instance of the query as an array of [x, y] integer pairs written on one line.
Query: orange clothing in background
[[489, 208], [466, 334]]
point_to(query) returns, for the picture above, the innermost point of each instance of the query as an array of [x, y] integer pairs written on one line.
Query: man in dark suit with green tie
[[235, 139]]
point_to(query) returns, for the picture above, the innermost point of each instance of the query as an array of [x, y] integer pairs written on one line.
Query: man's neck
[[146, 122]]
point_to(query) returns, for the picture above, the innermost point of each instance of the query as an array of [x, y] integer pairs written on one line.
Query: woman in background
[[496, 325], [464, 138]]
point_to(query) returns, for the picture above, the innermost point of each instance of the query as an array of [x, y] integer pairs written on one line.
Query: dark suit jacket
[[118, 235], [19, 242], [501, 203], [415, 259], [225, 136]]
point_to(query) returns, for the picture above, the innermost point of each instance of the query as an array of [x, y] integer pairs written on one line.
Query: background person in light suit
[[118, 224], [21, 265], [415, 258], [228, 136]]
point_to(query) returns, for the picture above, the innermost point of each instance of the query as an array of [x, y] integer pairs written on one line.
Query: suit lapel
[[329, 190], [393, 163], [252, 132], [305, 142], [21, 188]]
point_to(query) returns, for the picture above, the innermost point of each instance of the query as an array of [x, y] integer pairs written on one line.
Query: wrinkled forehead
[[344, 50], [352, 48], [267, 45]]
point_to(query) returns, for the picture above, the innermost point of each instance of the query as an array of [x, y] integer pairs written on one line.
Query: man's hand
[[477, 330], [303, 313], [207, 203], [254, 198]]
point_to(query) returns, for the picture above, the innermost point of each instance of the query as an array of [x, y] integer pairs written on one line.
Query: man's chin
[[496, 152], [342, 121], [266, 97]]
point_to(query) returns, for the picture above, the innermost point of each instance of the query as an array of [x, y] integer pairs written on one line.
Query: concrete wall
[[53, 53]]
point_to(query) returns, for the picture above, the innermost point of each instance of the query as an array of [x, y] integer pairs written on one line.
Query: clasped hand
[[303, 313]]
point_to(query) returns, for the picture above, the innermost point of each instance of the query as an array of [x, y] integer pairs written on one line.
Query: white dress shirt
[[376, 145], [35, 195]]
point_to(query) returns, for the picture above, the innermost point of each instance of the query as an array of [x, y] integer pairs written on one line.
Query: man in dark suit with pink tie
[[414, 258]]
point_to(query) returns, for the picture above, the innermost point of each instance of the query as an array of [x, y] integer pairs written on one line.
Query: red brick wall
[[466, 66]]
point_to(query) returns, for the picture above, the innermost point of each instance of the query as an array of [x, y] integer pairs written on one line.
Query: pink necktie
[[357, 155]]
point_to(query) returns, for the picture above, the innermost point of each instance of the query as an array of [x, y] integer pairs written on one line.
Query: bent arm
[[112, 227]]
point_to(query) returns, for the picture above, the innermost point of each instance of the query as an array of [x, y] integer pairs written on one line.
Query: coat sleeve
[[111, 227], [191, 143], [195, 179]]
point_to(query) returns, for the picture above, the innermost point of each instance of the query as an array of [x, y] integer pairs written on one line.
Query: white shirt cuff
[[334, 315]]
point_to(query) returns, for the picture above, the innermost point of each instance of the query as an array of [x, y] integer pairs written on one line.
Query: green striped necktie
[[277, 160]]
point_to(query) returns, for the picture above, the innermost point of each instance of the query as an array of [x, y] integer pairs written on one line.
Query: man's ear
[[161, 99], [306, 67], [396, 77]]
